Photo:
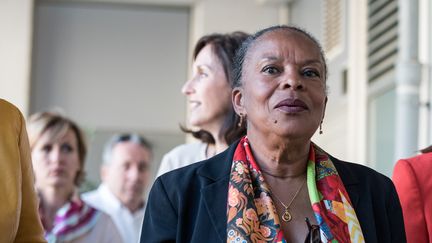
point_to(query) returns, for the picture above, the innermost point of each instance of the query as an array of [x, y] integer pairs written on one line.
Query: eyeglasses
[[314, 235], [127, 137]]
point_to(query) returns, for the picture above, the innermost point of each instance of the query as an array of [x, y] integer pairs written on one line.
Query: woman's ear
[[237, 101]]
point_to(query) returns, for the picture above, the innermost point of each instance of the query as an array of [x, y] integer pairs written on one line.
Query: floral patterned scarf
[[73, 220], [251, 212]]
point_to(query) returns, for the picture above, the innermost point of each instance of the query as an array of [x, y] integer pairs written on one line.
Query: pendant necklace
[[286, 216]]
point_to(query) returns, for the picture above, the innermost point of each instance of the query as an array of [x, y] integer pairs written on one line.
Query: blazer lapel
[[353, 194], [215, 194], [215, 198], [349, 180]]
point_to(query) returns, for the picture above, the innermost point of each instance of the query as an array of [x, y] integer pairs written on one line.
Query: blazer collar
[[219, 166], [215, 194]]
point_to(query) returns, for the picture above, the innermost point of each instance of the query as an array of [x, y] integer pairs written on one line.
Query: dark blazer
[[190, 204]]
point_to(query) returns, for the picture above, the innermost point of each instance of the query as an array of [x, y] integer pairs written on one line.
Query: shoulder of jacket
[[8, 109]]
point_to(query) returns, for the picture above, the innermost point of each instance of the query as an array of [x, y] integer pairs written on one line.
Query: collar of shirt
[[113, 203]]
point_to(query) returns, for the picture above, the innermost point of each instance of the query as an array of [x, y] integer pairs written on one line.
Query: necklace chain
[[280, 176], [286, 216]]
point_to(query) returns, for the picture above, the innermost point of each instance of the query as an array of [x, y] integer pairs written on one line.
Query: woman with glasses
[[58, 151], [275, 185], [209, 98]]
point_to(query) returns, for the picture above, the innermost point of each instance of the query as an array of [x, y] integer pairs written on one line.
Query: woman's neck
[[280, 157], [217, 147], [52, 199]]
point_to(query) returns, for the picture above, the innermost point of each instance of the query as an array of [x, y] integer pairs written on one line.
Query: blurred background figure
[[209, 99], [413, 181], [19, 220], [58, 151], [125, 175]]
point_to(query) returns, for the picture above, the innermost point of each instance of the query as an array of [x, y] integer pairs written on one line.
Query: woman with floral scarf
[[275, 185]]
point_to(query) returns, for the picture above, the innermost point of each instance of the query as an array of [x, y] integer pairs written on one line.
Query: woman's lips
[[57, 172], [193, 104], [292, 105]]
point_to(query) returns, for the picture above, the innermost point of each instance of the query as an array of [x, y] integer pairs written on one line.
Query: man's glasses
[[314, 235], [130, 137]]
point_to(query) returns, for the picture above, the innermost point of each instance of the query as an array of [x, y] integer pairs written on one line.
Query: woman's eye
[[126, 166], [66, 148], [47, 148], [200, 74], [203, 75], [311, 73], [270, 70]]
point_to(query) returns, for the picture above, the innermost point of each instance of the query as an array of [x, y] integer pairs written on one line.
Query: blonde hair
[[57, 126]]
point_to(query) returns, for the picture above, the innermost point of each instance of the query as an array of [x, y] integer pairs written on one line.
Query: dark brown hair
[[224, 46], [426, 150]]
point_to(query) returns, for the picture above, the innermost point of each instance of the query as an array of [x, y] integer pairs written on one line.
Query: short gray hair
[[121, 138]]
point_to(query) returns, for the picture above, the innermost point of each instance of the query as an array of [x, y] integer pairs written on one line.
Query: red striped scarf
[[73, 220]]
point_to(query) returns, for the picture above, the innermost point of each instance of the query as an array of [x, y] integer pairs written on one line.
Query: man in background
[[125, 174]]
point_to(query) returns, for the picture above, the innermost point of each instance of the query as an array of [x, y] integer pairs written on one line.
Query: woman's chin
[[197, 123], [294, 133], [60, 183]]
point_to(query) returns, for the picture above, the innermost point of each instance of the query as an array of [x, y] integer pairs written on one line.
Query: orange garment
[[413, 180], [19, 219]]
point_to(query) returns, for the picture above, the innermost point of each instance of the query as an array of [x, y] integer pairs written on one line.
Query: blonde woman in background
[[19, 220], [58, 151]]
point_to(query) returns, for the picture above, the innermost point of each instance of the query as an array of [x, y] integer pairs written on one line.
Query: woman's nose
[[187, 88], [55, 155], [292, 81]]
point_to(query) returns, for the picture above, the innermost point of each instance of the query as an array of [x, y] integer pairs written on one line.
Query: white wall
[[226, 15], [112, 68], [357, 77], [15, 44]]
